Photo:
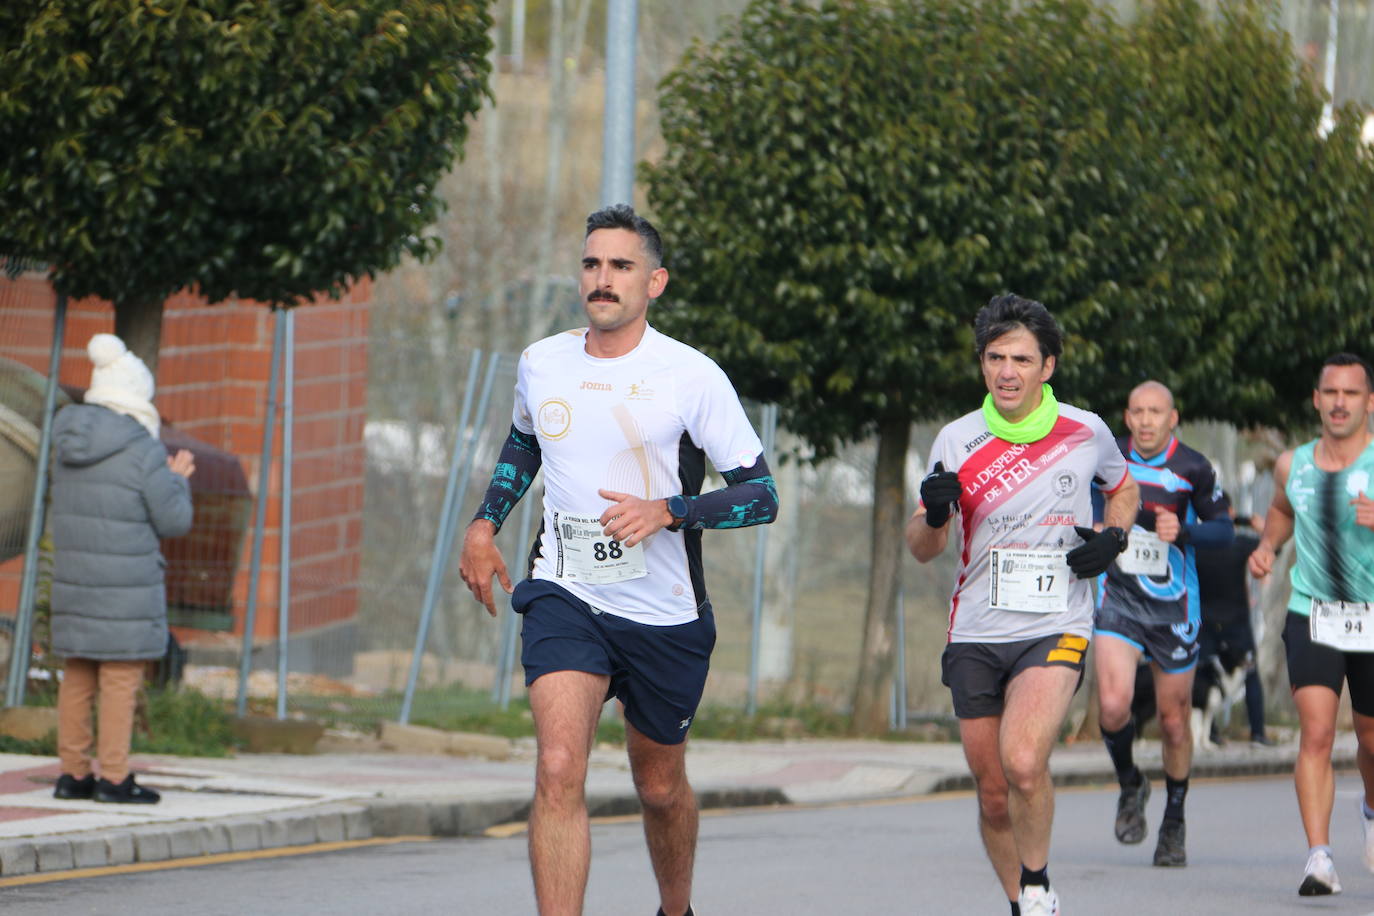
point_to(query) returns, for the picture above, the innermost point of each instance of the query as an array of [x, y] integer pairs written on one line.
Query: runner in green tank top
[[1322, 498]]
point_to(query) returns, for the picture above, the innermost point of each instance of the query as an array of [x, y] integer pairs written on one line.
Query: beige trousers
[[117, 684]]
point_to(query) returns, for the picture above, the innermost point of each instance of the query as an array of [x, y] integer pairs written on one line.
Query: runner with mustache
[[1321, 498], [622, 420]]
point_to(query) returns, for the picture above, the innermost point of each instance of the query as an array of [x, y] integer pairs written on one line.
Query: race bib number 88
[[583, 552]]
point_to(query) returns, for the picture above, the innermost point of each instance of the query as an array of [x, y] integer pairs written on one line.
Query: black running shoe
[[1169, 852], [68, 786], [688, 913], [1130, 812], [127, 792]]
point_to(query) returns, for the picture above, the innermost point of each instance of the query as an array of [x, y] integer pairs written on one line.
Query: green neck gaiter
[[1034, 427]]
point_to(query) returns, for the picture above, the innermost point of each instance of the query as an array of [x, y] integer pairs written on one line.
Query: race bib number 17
[[1030, 581], [583, 552]]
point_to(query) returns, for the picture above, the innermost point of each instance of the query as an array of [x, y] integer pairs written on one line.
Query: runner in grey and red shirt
[[1020, 473], [1023, 497]]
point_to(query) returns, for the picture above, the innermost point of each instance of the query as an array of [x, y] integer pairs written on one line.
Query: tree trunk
[[139, 325], [874, 684]]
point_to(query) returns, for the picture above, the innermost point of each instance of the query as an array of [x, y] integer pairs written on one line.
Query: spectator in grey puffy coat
[[115, 493]]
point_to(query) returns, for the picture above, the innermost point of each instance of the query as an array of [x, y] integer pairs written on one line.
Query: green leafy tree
[[844, 184], [1297, 281], [272, 151]]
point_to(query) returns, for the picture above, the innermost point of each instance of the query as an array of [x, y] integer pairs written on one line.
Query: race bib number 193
[[1146, 555], [1031, 581], [583, 552]]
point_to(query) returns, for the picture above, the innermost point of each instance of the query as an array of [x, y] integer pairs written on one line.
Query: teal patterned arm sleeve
[[750, 497], [515, 471]]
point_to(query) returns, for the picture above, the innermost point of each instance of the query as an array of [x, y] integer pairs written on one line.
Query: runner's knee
[[659, 793], [560, 773], [1175, 721], [992, 803], [1025, 770], [1317, 738]]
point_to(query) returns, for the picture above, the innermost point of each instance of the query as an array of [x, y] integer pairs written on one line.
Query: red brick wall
[[213, 373]]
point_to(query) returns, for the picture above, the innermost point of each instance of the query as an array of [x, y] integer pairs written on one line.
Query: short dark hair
[[1004, 314], [1346, 359], [623, 216]]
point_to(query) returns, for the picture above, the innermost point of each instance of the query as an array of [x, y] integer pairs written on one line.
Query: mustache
[[602, 295]]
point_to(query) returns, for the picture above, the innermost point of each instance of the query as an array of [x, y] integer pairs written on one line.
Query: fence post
[[460, 469], [250, 616], [899, 713], [22, 648], [770, 425], [284, 572]]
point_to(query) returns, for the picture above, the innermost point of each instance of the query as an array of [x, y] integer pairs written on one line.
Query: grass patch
[[184, 722], [38, 747], [469, 710], [187, 723]]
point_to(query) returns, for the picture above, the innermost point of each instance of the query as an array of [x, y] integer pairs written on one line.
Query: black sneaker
[[68, 786], [1169, 851], [688, 913], [127, 792], [1130, 812]]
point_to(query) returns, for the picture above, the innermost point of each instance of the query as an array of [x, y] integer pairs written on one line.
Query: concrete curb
[[325, 823]]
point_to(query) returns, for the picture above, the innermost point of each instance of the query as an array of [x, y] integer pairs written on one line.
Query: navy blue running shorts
[[1173, 647], [657, 672], [977, 673]]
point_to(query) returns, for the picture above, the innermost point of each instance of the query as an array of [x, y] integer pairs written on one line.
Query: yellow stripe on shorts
[[1070, 649]]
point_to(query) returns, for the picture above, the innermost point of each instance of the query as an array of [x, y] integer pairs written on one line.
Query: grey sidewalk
[[261, 801]]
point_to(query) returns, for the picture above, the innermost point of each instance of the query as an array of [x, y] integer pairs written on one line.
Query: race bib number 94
[[1030, 581], [1344, 625], [583, 552]]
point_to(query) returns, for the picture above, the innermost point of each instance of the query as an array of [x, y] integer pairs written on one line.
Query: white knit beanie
[[121, 382]]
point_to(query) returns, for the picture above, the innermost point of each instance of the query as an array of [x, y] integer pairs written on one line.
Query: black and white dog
[[1218, 686]]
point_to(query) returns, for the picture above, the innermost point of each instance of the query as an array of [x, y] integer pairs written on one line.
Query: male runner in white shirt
[[622, 420]]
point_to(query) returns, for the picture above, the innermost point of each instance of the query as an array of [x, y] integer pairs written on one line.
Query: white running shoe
[[1367, 828], [1320, 876], [1038, 901]]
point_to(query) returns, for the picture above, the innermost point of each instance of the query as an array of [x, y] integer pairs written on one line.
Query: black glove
[[1092, 557], [940, 490]]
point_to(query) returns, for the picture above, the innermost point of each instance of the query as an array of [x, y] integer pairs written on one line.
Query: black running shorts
[[1312, 664], [977, 673]]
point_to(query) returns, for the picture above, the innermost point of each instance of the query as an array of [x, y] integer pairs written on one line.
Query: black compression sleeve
[[749, 497], [515, 470]]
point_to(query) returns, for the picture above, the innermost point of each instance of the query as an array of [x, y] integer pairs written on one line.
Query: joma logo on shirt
[[596, 386]]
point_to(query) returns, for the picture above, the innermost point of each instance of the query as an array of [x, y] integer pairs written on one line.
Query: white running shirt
[[639, 424], [1023, 497]]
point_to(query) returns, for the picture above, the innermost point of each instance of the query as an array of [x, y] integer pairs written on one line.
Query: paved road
[[918, 857]]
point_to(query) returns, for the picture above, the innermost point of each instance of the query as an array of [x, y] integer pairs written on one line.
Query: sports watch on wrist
[[1121, 538], [677, 508]]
